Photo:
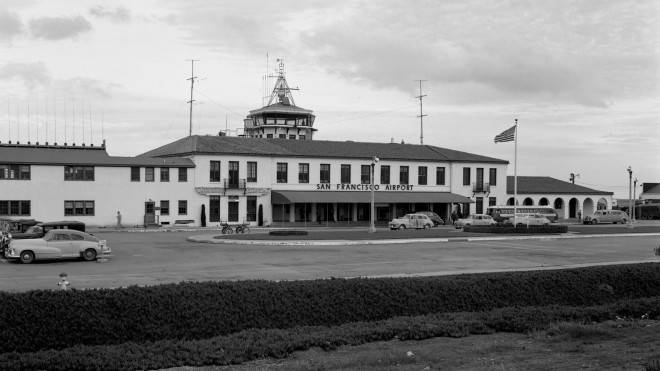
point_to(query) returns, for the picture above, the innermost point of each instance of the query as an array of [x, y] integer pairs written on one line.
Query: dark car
[[9, 226], [437, 220], [38, 231]]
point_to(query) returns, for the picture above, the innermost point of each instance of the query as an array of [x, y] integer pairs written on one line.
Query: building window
[[301, 137], [403, 175], [164, 207], [365, 174], [183, 207], [492, 176], [324, 175], [251, 215], [78, 208], [135, 173], [15, 208], [384, 174], [440, 175], [303, 173], [282, 136], [214, 171], [466, 176], [17, 172], [492, 201], [282, 172], [345, 173], [85, 173], [148, 174], [421, 175], [251, 171], [233, 174], [269, 135], [292, 136], [164, 174], [480, 205], [183, 174]]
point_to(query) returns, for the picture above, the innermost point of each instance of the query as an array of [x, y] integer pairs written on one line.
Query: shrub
[[509, 229], [288, 232], [58, 319]]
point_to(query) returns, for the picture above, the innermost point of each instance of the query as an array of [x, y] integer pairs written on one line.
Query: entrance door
[[232, 210], [214, 209], [480, 179], [149, 212], [260, 216]]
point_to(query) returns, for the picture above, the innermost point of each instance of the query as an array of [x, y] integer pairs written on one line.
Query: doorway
[[214, 209], [149, 213]]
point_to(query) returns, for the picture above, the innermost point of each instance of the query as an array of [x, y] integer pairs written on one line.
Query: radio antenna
[[192, 84], [421, 113]]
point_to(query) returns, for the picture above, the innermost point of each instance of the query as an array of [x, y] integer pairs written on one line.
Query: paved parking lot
[[166, 257]]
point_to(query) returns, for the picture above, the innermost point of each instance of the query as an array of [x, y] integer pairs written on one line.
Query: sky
[[582, 76]]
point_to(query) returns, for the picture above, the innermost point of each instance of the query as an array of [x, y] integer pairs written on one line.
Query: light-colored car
[[412, 221], [529, 219], [606, 216], [58, 244], [475, 219]]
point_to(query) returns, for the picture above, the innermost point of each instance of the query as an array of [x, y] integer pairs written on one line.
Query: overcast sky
[[582, 77]]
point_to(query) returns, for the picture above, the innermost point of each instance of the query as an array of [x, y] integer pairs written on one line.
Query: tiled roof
[[60, 155], [224, 145], [548, 185], [651, 188], [280, 108]]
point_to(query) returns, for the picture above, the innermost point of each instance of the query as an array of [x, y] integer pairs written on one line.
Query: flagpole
[[515, 177]]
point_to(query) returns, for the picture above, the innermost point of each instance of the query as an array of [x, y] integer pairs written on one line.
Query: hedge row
[[509, 229], [59, 319], [278, 343]]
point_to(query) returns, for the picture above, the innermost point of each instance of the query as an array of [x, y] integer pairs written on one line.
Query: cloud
[[10, 24], [31, 74], [58, 28], [119, 14]]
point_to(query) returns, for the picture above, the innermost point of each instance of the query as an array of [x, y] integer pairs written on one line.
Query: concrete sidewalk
[[209, 238]]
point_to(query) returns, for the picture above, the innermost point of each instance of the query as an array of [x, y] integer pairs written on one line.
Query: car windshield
[[34, 229]]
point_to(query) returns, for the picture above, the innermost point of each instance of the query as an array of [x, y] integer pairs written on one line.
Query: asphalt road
[[166, 257]]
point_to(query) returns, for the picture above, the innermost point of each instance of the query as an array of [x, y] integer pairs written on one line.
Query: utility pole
[[630, 196], [634, 199], [192, 84], [421, 113]]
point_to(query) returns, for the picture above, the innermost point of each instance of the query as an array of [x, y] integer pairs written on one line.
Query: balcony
[[480, 188], [234, 183]]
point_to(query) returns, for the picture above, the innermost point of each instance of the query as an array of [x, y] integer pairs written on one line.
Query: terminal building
[[274, 174]]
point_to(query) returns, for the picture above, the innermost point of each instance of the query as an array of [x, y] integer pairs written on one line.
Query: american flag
[[507, 135]]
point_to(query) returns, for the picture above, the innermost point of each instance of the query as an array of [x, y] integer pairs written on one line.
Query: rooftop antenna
[[55, 116], [282, 90], [192, 84], [9, 117], [91, 127], [46, 102], [28, 120], [573, 176], [421, 113], [64, 101]]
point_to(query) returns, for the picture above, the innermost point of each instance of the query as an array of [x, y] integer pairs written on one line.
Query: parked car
[[475, 219], [58, 244], [528, 219], [437, 220], [606, 216], [40, 229], [10, 226], [409, 221]]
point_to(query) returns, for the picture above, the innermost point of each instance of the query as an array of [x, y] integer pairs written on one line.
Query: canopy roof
[[289, 197]]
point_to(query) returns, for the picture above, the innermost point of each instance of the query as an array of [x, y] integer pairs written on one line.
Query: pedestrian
[[119, 219], [64, 282], [579, 214]]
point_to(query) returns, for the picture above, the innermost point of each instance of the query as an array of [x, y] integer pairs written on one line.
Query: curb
[[210, 239]]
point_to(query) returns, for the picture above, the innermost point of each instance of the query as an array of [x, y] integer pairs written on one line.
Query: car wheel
[[89, 254], [624, 221], [594, 221], [27, 257], [427, 226], [402, 226]]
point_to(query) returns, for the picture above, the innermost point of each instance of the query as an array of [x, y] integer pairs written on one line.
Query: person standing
[[64, 282], [119, 219]]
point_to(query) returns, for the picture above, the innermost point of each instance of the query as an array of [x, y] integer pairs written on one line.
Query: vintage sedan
[[607, 216], [528, 219], [58, 244], [475, 219], [412, 221]]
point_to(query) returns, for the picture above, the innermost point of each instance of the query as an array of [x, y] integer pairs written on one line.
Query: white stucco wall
[[585, 204]]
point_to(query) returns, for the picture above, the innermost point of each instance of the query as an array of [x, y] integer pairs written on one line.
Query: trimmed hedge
[[59, 319], [509, 229], [288, 232], [278, 343]]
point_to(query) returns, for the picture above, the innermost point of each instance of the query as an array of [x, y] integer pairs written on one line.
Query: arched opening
[[509, 202], [588, 207], [528, 202], [558, 204], [543, 201], [572, 208], [602, 204]]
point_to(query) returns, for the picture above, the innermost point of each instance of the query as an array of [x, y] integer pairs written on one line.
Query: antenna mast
[[192, 84], [421, 113]]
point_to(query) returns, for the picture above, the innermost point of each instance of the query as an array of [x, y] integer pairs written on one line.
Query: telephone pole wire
[[421, 113], [192, 84]]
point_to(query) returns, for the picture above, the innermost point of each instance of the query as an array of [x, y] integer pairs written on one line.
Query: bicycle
[[242, 228], [227, 229]]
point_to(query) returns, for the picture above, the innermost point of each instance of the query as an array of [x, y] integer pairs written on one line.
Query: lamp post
[[372, 226], [634, 199], [630, 208]]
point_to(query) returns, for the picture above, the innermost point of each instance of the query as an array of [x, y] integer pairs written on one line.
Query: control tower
[[280, 118]]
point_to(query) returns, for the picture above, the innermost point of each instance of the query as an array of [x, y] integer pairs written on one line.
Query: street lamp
[[630, 208], [634, 199], [372, 227]]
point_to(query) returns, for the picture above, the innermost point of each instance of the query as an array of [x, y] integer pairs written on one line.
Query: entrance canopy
[[290, 197]]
